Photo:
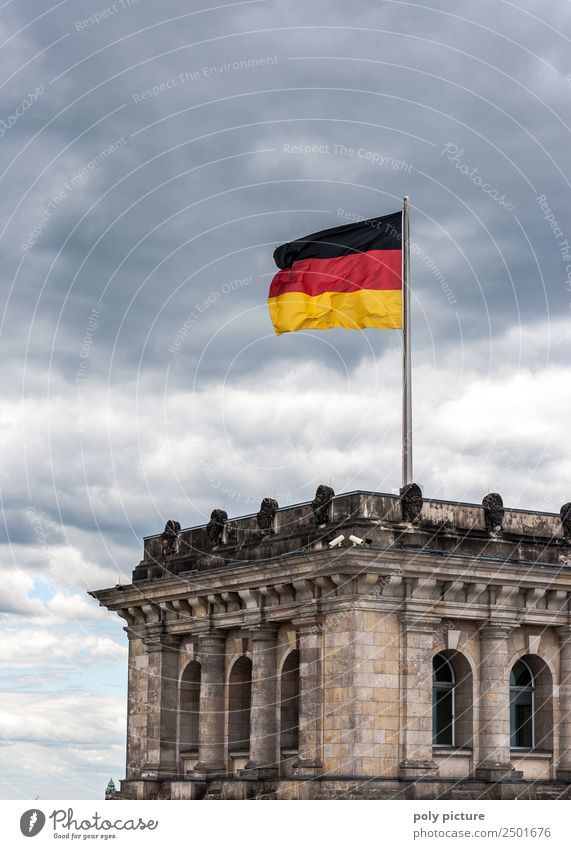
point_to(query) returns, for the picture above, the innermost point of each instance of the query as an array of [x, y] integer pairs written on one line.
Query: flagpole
[[406, 364]]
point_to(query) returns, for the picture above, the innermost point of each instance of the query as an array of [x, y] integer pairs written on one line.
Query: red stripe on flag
[[371, 270]]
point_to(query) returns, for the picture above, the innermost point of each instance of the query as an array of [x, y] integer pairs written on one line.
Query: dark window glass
[[521, 675], [442, 669], [522, 716], [442, 702]]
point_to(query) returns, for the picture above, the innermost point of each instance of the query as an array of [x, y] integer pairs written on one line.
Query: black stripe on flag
[[373, 234]]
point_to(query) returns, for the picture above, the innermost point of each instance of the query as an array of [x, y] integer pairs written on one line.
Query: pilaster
[[563, 769], [212, 648], [310, 635], [494, 737], [137, 701], [263, 718], [417, 636], [162, 676]]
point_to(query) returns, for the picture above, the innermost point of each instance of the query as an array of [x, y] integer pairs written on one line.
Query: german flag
[[349, 276]]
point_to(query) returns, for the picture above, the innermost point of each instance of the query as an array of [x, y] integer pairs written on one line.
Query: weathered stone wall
[[348, 789], [137, 707], [361, 693]]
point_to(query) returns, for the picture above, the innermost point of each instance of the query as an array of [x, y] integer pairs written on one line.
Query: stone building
[[360, 646]]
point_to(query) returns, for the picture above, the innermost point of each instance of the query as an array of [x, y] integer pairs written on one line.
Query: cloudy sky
[[153, 155]]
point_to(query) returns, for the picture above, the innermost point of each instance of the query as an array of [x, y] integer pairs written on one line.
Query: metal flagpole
[[406, 366]]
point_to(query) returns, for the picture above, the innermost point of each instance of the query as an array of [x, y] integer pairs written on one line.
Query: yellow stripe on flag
[[353, 310]]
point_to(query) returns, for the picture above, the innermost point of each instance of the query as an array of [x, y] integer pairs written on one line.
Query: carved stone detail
[[441, 631], [169, 538], [411, 502], [493, 511], [266, 515], [321, 504], [215, 527], [565, 514]]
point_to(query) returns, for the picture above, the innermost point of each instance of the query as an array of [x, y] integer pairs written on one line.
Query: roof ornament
[[321, 504], [565, 514], [215, 527], [411, 502], [266, 515], [493, 512], [169, 538]]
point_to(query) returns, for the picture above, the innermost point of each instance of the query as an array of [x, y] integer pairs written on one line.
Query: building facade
[[359, 646]]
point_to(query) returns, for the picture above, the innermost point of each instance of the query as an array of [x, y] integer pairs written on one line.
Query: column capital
[[135, 632], [563, 634], [496, 630], [310, 624], [161, 642], [263, 633], [212, 638], [422, 622]]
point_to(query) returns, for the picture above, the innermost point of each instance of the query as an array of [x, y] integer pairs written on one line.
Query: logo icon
[[32, 822]]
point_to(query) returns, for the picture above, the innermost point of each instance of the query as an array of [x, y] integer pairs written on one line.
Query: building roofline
[[365, 492]]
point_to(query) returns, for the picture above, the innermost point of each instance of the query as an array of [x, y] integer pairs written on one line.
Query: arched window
[[522, 707], [189, 707], [289, 727], [239, 702], [443, 702]]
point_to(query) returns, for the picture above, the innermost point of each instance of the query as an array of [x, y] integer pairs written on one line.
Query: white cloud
[[16, 589], [62, 718], [69, 567], [40, 648], [286, 429], [74, 608], [32, 770]]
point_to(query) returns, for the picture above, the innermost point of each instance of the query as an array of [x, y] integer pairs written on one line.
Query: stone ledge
[[342, 787]]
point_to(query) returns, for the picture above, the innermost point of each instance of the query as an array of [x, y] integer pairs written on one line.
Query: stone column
[[417, 636], [494, 737], [263, 724], [137, 702], [310, 633], [162, 680], [212, 649], [563, 770]]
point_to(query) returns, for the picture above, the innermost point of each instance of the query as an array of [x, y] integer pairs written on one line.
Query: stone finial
[[169, 538], [321, 504], [266, 515], [493, 511], [565, 514], [215, 527], [411, 502]]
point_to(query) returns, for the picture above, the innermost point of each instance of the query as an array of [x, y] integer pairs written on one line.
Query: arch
[[531, 704], [289, 703], [543, 661], [239, 704], [452, 700], [189, 707]]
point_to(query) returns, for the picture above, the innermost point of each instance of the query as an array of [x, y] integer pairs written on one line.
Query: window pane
[[442, 670], [521, 676], [521, 719], [442, 717], [524, 724]]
